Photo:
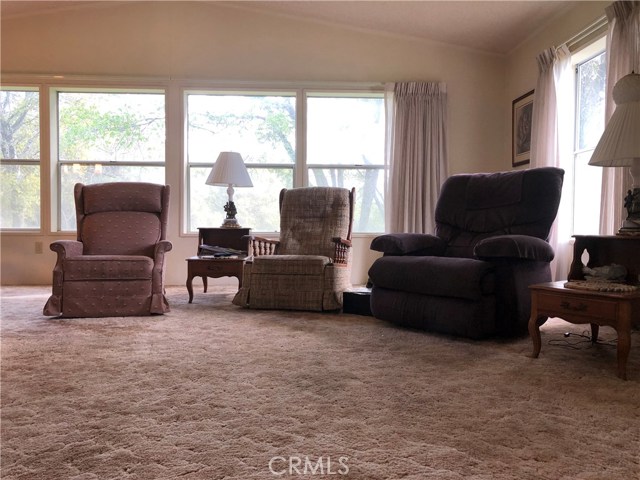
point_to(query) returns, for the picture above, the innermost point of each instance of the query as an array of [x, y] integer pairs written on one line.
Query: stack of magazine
[[210, 251]]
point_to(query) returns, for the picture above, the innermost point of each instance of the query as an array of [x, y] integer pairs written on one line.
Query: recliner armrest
[[514, 246], [259, 246], [413, 244], [163, 246], [67, 248], [343, 245]]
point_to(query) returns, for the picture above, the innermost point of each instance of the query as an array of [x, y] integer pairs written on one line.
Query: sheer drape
[[623, 56], [416, 154], [551, 142]]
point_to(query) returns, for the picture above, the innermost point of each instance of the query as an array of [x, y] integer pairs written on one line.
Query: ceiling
[[491, 26]]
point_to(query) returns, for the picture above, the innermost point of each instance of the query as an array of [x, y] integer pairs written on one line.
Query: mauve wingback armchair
[[471, 277], [309, 267], [116, 265]]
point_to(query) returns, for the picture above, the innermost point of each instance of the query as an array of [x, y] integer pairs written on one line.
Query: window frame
[[175, 161], [579, 58], [57, 164], [300, 167]]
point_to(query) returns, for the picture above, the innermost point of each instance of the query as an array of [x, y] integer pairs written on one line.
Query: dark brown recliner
[[471, 278], [116, 265]]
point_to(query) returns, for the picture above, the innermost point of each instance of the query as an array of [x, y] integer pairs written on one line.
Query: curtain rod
[[596, 29]]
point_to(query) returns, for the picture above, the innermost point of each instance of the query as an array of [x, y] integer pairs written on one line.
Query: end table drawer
[[587, 307]]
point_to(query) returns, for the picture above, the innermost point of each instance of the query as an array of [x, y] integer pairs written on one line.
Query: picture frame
[[521, 122]]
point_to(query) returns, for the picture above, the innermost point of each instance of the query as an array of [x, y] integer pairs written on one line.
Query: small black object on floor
[[357, 301]]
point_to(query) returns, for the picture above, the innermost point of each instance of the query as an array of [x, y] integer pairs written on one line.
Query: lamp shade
[[229, 169], [619, 145]]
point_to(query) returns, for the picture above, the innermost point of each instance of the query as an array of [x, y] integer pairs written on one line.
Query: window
[[589, 125], [262, 128], [107, 137], [20, 162], [344, 147]]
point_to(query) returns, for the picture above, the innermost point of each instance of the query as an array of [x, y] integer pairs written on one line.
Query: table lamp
[[229, 170], [619, 145]]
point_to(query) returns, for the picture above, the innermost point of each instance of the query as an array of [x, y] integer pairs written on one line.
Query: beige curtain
[[623, 56], [416, 154], [551, 143]]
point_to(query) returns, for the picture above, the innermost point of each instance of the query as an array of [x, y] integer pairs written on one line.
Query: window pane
[[258, 206], [345, 131], [113, 127], [261, 128], [591, 95], [369, 185], [20, 195], [20, 120], [588, 183], [88, 174], [20, 138]]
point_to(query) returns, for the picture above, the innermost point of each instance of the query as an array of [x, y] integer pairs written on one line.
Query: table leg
[[624, 345], [204, 282], [595, 329], [190, 287], [534, 332]]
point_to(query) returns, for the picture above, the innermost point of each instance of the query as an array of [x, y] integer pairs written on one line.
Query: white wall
[[198, 40]]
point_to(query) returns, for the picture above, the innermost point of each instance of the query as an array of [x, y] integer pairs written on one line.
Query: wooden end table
[[219, 266], [214, 268], [617, 310]]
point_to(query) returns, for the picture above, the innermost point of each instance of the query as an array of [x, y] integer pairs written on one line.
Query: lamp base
[[230, 223], [631, 226]]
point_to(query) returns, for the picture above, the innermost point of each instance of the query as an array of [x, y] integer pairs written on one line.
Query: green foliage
[[19, 125]]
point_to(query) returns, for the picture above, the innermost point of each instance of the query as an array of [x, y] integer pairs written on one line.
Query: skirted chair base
[[293, 282]]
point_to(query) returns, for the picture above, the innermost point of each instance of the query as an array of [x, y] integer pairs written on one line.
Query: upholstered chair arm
[[341, 256], [67, 248], [262, 246], [521, 247], [413, 244], [163, 246], [64, 249]]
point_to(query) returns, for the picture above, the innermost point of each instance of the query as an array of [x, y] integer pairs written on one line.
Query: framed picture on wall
[[521, 119]]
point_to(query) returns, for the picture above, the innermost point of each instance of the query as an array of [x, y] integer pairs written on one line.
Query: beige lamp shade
[[619, 145], [230, 170]]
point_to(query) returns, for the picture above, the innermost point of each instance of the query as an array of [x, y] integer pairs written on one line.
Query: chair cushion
[[121, 233], [311, 217], [290, 264], [120, 196], [439, 276], [106, 267], [472, 207]]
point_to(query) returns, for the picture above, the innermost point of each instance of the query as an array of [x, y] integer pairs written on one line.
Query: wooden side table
[[214, 268], [220, 266], [617, 310]]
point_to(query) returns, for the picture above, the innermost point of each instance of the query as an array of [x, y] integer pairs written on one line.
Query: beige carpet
[[211, 391]]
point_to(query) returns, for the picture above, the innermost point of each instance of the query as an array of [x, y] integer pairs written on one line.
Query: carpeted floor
[[211, 391]]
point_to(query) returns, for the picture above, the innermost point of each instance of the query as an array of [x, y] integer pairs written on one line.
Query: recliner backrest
[[472, 207], [121, 218], [310, 217]]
